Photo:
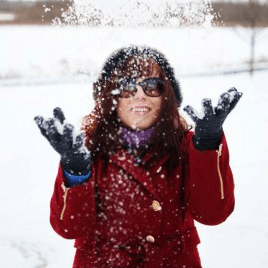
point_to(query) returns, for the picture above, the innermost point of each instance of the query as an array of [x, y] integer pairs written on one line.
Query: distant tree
[[254, 13], [256, 19]]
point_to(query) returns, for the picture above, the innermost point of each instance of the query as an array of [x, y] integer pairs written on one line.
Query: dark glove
[[208, 130], [75, 156]]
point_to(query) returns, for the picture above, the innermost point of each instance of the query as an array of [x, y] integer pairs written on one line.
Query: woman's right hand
[[75, 156]]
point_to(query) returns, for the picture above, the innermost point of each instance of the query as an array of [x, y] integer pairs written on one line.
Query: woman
[[129, 193]]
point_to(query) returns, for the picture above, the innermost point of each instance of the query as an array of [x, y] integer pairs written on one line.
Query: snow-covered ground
[[56, 52], [28, 165]]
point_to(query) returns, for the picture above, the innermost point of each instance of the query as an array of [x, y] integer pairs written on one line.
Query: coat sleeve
[[209, 186], [72, 210]]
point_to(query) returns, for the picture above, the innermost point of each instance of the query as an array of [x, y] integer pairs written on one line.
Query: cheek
[[122, 108], [158, 104]]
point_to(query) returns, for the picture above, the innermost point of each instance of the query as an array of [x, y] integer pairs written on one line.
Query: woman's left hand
[[208, 129]]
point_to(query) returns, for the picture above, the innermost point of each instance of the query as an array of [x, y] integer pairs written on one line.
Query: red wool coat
[[136, 218]]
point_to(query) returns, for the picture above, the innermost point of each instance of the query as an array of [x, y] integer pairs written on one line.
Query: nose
[[140, 95]]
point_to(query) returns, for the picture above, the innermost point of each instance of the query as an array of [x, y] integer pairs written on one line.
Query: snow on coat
[[131, 217]]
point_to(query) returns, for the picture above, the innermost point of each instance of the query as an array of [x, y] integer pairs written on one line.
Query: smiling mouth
[[140, 110]]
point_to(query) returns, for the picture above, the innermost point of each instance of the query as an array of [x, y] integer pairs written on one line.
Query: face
[[139, 111]]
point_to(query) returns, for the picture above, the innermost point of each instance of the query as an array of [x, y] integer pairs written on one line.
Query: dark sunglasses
[[152, 87]]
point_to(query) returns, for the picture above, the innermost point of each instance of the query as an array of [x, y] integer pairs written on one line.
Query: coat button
[[156, 206], [150, 239]]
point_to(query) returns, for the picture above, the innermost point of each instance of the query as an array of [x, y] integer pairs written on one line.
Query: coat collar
[[127, 162]]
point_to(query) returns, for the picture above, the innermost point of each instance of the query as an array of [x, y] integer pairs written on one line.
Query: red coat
[[131, 217]]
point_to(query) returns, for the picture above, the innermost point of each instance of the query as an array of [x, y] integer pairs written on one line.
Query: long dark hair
[[102, 126]]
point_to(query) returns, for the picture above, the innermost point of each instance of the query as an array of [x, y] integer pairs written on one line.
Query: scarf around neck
[[134, 139]]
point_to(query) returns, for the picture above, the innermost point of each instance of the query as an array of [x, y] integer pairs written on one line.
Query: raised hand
[[208, 129], [75, 156]]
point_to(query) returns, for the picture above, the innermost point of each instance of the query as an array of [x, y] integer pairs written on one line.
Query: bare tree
[[255, 15], [250, 14], [256, 19]]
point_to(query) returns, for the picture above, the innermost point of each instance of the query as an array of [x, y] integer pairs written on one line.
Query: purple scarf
[[136, 139]]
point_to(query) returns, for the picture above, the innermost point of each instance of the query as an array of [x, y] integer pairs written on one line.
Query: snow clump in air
[[139, 13]]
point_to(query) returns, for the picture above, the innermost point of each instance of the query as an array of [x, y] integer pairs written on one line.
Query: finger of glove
[[190, 111], [235, 100], [79, 141], [58, 114], [52, 131], [223, 106], [207, 107], [39, 121], [67, 136], [232, 89]]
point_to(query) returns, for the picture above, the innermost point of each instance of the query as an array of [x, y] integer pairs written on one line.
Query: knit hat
[[119, 56]]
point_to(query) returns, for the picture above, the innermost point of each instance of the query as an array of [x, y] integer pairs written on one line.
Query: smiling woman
[[130, 193], [137, 89]]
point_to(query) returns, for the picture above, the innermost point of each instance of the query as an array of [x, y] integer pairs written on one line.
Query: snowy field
[[36, 64], [55, 52]]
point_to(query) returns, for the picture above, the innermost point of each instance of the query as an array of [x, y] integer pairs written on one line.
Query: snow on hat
[[119, 56]]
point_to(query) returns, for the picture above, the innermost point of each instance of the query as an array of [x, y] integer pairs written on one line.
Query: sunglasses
[[152, 87]]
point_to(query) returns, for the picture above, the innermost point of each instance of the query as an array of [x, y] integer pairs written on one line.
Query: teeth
[[140, 109]]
